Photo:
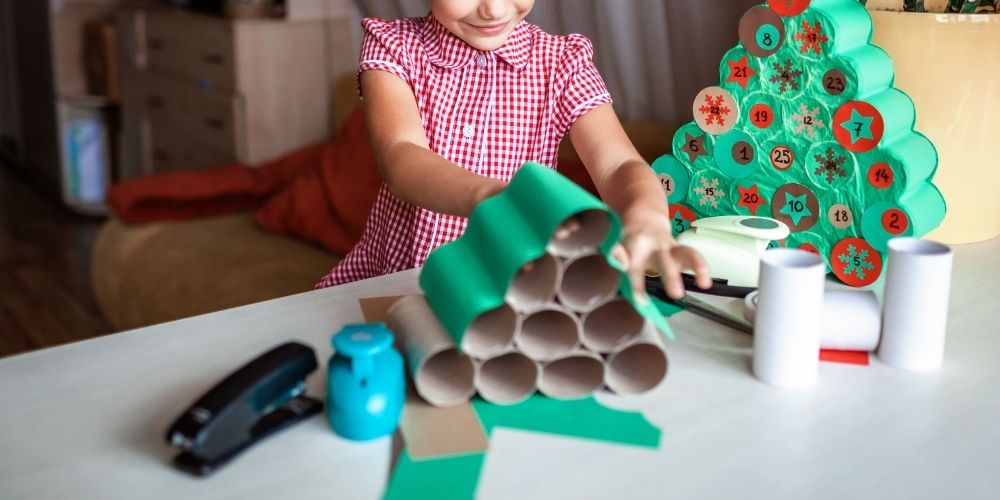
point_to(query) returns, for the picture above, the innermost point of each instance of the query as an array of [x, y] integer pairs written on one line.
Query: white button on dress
[[481, 61], [468, 131]]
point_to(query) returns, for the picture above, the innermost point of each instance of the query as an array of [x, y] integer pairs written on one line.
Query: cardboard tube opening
[[587, 282], [611, 325], [534, 284], [584, 232], [491, 333], [507, 379], [636, 369], [573, 376], [446, 378], [548, 334]]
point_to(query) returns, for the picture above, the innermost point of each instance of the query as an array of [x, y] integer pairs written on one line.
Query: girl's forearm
[[419, 176], [632, 187]]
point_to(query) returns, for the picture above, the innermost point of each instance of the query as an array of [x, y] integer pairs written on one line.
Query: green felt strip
[[456, 477]]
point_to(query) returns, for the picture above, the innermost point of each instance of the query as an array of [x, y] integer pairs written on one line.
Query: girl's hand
[[647, 244]]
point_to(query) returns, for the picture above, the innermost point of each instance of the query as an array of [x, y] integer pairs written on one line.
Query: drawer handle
[[160, 155], [217, 59], [155, 44], [215, 123], [154, 101]]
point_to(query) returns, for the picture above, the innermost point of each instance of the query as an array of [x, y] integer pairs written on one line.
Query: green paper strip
[[457, 477], [451, 478], [583, 418]]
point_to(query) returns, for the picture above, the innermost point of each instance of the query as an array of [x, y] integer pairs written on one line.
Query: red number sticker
[[809, 247], [880, 175], [894, 221], [788, 7], [761, 115]]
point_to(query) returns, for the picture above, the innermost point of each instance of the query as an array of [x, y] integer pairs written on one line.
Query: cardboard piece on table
[[427, 430]]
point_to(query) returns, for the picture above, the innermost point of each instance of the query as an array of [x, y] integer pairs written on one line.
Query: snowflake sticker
[[812, 37], [807, 120], [855, 262], [786, 76], [830, 166], [715, 110], [709, 192]]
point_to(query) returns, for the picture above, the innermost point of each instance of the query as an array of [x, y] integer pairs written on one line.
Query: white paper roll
[[507, 379], [548, 333], [441, 374], [535, 284], [915, 308], [572, 376], [852, 319], [638, 366], [786, 333], [587, 281], [610, 325], [491, 333]]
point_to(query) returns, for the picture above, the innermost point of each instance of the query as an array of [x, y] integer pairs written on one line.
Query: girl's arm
[[413, 172], [628, 185]]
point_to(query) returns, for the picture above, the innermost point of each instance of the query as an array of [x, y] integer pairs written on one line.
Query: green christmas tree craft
[[806, 127], [571, 298]]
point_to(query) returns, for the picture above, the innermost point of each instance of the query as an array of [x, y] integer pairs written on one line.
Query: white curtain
[[655, 55]]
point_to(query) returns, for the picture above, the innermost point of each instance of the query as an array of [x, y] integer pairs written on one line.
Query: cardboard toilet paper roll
[[582, 233], [535, 284], [548, 333], [507, 379], [638, 366], [491, 333], [852, 319], [587, 281], [915, 309], [572, 376], [441, 374], [610, 325], [787, 330]]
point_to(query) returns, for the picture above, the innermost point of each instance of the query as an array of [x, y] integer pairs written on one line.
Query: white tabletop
[[87, 420]]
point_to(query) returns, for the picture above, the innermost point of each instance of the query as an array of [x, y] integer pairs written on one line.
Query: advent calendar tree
[[807, 128]]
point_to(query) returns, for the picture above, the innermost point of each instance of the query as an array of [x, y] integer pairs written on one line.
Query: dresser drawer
[[203, 52], [172, 149], [215, 119]]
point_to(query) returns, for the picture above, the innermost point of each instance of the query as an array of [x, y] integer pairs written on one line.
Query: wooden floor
[[45, 296]]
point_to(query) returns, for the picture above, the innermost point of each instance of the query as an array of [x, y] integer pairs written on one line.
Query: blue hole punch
[[366, 386]]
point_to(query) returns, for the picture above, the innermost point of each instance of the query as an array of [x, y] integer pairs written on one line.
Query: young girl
[[457, 101]]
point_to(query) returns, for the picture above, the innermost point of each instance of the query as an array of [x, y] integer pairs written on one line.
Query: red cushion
[[329, 203]]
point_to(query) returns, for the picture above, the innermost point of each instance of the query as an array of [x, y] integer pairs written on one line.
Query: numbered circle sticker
[[858, 126], [809, 247], [835, 82], [884, 221], [743, 152], [855, 262], [735, 154], [895, 222], [782, 157], [788, 8], [715, 110], [674, 178], [881, 176], [681, 218], [761, 115], [762, 32], [796, 206], [841, 216]]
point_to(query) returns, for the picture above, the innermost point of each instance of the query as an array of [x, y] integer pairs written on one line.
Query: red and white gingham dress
[[488, 112]]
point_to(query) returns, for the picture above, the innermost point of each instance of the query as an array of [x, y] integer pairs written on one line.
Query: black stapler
[[263, 397]]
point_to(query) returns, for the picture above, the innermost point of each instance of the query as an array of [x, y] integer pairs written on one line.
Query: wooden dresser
[[199, 91]]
